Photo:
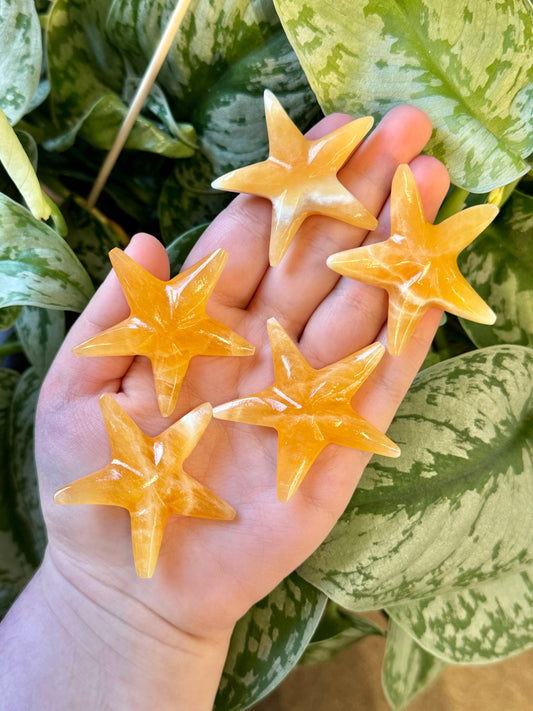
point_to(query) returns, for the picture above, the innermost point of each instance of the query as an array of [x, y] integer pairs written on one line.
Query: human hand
[[209, 573]]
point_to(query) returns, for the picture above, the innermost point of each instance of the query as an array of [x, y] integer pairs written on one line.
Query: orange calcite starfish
[[167, 323], [417, 265], [300, 177], [146, 477], [310, 408]]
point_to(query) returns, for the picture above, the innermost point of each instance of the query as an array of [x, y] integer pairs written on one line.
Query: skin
[[87, 632]]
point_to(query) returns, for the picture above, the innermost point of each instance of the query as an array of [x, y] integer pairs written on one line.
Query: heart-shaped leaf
[[20, 58], [499, 265], [37, 267], [407, 668], [487, 623], [466, 64], [268, 642], [456, 509]]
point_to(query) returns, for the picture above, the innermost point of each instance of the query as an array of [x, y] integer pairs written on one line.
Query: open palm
[[210, 572]]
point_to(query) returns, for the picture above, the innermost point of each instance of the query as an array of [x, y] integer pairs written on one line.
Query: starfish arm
[[220, 340], [283, 136], [169, 372], [264, 408], [190, 289], [256, 179], [340, 204], [188, 497], [289, 365], [458, 231], [288, 215], [129, 337], [147, 529], [180, 439], [298, 447], [337, 146], [370, 264], [341, 380], [135, 281], [349, 429], [405, 312], [456, 296], [407, 212], [110, 486]]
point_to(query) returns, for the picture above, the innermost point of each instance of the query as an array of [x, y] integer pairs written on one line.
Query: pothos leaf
[[475, 85], [20, 59], [407, 668], [41, 332], [267, 643], [37, 267], [499, 265], [487, 623], [466, 470]]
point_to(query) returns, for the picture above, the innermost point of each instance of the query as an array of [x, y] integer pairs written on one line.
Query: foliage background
[[68, 70]]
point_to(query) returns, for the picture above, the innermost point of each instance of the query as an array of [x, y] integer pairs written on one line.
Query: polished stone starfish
[[300, 177], [310, 408], [146, 477], [417, 265], [167, 323]]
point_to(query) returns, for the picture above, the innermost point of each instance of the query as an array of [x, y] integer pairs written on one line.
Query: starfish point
[[300, 177], [417, 265], [310, 408], [168, 323], [146, 477]]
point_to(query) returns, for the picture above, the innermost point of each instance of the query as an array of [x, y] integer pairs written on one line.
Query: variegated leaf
[[338, 630], [268, 642], [22, 471], [37, 267], [407, 668], [8, 316], [20, 58], [212, 37], [86, 79], [499, 265], [15, 570], [466, 64], [41, 332], [456, 509], [486, 623]]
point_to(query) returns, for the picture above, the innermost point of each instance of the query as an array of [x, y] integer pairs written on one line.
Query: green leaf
[[267, 643], [407, 668], [37, 267], [86, 78], [456, 509], [23, 473], [15, 570], [499, 265], [18, 166], [180, 247], [466, 64], [8, 316], [92, 236], [338, 630], [41, 332], [487, 623], [20, 59]]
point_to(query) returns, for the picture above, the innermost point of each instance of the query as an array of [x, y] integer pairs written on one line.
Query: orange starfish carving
[[168, 323], [417, 265], [146, 477], [300, 177], [310, 408]]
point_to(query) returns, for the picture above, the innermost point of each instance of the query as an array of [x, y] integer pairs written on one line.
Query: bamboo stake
[[137, 103]]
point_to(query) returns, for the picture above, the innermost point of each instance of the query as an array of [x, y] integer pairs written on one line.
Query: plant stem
[[9, 348], [138, 100]]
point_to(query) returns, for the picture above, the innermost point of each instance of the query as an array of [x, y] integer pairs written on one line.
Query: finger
[[85, 375], [353, 314], [292, 291]]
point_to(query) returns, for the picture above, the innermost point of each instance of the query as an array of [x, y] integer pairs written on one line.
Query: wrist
[[111, 652]]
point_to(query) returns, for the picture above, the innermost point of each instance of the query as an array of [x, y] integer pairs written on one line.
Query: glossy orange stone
[[310, 408], [146, 477], [168, 323], [300, 177], [417, 265]]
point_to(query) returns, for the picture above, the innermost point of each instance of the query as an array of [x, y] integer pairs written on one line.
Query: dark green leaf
[[41, 332]]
